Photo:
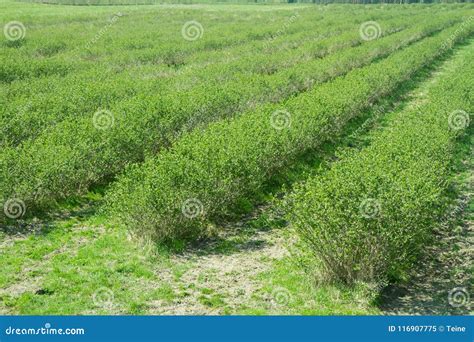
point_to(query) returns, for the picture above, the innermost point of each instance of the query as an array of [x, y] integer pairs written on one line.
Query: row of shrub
[[63, 39], [177, 193], [33, 105], [72, 155], [45, 102], [57, 43], [370, 215]]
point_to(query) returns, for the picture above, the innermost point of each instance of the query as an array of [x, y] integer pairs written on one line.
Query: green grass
[[77, 259], [58, 271]]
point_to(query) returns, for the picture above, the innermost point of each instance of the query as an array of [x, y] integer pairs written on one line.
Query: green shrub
[[214, 168], [371, 214], [73, 154]]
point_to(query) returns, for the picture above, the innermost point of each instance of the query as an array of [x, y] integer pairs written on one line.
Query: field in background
[[154, 2], [174, 159]]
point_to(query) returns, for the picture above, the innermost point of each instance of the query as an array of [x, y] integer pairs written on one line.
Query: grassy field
[[236, 159]]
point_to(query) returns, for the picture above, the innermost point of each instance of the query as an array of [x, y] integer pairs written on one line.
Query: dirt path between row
[[227, 274], [441, 284]]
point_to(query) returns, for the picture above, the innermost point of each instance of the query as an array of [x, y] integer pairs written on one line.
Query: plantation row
[[46, 101], [142, 46], [72, 155], [59, 44], [59, 49], [149, 2], [129, 56], [206, 172], [372, 213]]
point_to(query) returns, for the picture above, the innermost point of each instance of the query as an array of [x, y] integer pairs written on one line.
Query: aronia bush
[[371, 214], [233, 158], [74, 154]]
